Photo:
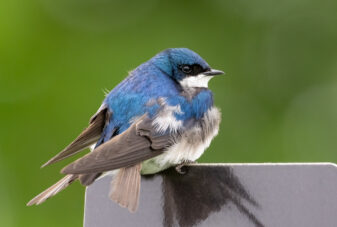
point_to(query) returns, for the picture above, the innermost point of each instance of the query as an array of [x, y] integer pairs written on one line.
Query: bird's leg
[[179, 167]]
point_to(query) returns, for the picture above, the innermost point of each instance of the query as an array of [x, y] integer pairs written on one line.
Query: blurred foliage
[[278, 99]]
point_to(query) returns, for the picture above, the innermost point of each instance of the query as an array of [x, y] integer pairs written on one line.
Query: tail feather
[[125, 187], [53, 190]]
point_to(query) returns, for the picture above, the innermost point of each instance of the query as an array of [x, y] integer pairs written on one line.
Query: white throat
[[199, 80]]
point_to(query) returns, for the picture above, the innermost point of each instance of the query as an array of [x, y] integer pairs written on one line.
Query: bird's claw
[[179, 168]]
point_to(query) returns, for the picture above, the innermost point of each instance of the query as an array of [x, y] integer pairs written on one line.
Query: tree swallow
[[161, 115]]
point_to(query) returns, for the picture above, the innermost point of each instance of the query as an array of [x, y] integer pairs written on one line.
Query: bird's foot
[[180, 167]]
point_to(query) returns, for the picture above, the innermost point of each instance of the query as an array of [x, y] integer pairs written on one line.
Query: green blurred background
[[278, 100]]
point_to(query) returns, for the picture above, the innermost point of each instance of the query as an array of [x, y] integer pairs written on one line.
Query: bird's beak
[[213, 72]]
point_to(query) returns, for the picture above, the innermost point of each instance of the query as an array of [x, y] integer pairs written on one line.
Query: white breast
[[190, 147]]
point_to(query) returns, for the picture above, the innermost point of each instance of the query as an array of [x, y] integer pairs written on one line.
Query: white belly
[[190, 147]]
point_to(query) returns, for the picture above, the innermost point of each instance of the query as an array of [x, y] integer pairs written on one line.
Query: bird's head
[[185, 67]]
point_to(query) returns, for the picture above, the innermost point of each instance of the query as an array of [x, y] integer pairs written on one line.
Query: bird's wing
[[138, 143], [88, 137]]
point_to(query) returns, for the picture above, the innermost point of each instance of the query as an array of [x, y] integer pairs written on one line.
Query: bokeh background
[[278, 100]]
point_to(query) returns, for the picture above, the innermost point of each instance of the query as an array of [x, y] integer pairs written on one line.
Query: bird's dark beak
[[213, 72]]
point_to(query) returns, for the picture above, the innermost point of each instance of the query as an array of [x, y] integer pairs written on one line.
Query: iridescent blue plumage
[[157, 78]]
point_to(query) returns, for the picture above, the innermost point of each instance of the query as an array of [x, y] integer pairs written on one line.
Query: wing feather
[[88, 137], [138, 143]]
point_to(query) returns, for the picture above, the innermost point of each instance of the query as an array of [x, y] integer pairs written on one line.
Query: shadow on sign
[[204, 191]]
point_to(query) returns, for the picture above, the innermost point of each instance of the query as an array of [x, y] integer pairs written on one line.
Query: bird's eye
[[186, 69]]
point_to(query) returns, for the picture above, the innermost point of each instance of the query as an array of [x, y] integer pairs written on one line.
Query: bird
[[161, 115]]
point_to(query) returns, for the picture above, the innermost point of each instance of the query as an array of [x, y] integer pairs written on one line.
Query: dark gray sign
[[277, 195]]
